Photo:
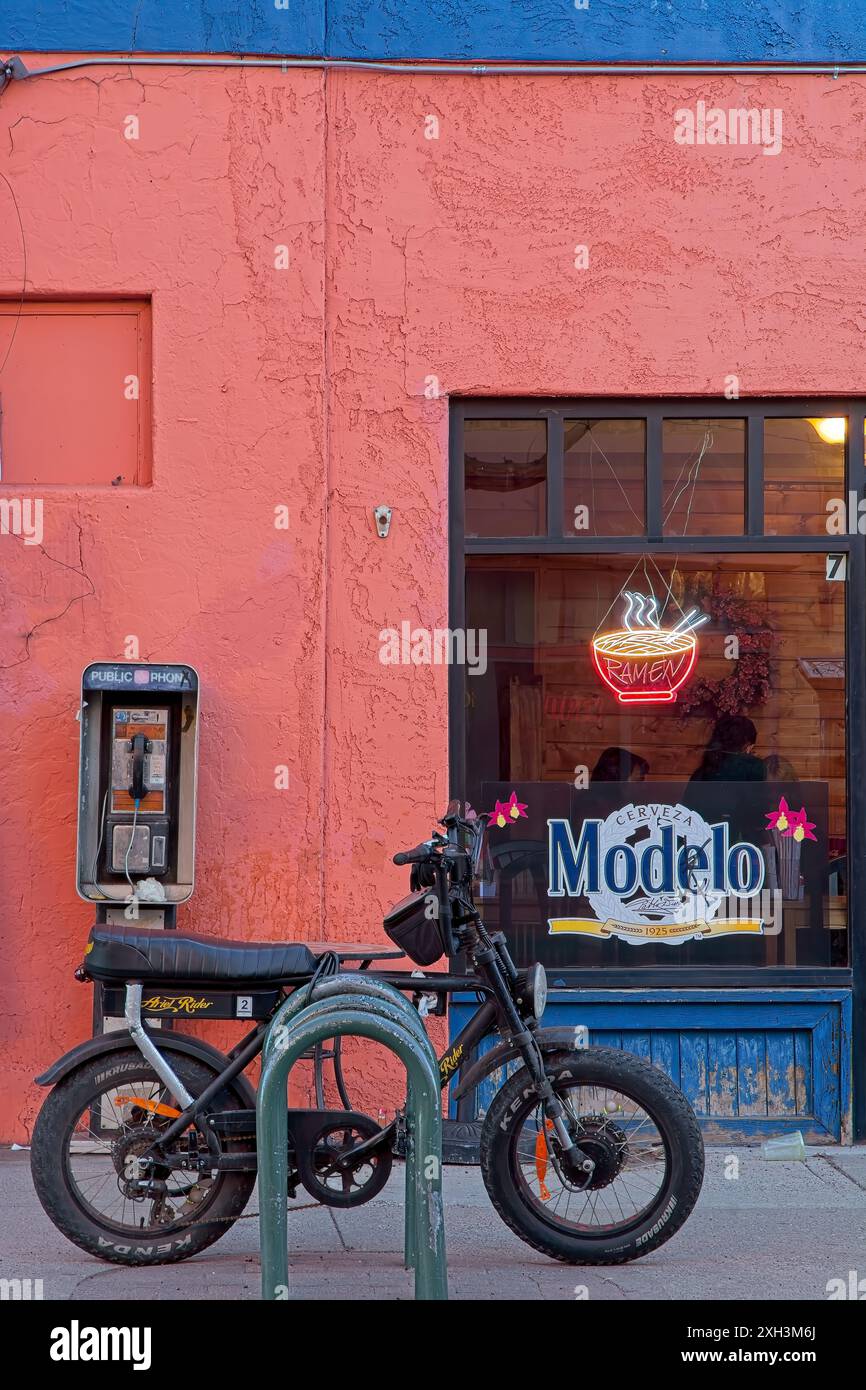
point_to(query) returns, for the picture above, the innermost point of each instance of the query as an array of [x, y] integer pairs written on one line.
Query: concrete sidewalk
[[777, 1231]]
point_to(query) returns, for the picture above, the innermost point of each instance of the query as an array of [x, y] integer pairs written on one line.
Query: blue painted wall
[[162, 26], [608, 30]]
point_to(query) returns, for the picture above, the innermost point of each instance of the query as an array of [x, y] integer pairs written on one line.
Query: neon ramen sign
[[642, 662]]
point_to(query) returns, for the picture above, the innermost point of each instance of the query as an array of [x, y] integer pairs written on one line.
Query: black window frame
[[754, 411]]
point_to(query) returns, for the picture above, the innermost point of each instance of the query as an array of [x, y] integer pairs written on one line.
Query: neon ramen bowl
[[644, 666]]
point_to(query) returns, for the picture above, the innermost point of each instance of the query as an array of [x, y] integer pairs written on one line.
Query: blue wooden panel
[[638, 1043], [802, 1068], [722, 1072], [825, 1070], [666, 1053], [693, 1071], [751, 1062], [537, 30], [751, 1073], [491, 1084], [841, 1043], [781, 1080], [784, 994]]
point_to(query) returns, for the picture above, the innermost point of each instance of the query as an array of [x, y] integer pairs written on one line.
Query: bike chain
[[244, 1216], [399, 1151], [254, 1215]]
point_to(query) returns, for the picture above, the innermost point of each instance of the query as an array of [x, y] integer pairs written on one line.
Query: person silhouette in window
[[619, 765], [729, 757]]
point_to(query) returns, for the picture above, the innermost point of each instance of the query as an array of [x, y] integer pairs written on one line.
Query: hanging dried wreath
[[748, 685]]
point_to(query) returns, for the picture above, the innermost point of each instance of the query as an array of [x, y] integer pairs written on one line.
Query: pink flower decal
[[505, 811], [791, 825], [779, 819], [801, 828]]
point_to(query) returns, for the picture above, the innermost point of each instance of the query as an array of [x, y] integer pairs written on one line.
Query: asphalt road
[[775, 1231]]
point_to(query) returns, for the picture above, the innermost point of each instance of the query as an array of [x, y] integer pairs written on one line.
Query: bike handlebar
[[418, 855], [427, 851]]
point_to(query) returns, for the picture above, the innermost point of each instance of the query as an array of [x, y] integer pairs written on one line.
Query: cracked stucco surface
[[409, 258]]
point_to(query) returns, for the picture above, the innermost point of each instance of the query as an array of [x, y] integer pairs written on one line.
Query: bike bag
[[409, 927]]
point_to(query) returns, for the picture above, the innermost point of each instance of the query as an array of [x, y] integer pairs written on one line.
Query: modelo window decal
[[673, 885]]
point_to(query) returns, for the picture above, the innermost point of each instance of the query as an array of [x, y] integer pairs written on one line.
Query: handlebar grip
[[412, 856]]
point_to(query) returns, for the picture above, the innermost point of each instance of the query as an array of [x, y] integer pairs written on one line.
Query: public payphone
[[136, 799], [137, 788], [136, 823]]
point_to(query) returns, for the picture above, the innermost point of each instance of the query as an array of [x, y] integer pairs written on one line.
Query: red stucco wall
[[411, 258]]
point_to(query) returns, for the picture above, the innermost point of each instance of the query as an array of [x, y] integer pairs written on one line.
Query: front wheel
[[642, 1135]]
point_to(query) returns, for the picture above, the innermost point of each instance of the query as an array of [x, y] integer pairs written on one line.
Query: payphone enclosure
[[137, 787]]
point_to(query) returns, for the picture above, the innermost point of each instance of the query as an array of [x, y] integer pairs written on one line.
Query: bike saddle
[[133, 953]]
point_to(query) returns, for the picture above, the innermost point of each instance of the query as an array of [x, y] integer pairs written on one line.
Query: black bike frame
[[493, 984], [480, 1025]]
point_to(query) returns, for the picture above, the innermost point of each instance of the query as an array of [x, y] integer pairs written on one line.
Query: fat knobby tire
[[49, 1147], [673, 1117]]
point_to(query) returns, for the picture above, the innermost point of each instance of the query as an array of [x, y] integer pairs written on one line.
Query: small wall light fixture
[[383, 520]]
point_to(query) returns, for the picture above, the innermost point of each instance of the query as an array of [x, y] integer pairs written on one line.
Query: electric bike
[[144, 1150]]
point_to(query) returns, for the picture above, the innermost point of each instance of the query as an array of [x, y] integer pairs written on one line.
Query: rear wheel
[[640, 1132], [87, 1142]]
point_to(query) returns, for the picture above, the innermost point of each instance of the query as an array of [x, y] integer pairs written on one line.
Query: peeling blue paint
[[752, 1063], [537, 30]]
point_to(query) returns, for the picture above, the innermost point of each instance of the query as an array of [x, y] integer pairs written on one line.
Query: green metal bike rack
[[346, 982], [402, 1012], [387, 1019], [357, 983]]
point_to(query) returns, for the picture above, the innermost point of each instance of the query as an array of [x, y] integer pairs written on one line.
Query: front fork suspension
[[570, 1154]]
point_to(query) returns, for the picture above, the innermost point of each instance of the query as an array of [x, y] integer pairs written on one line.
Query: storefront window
[[506, 477], [704, 477], [804, 470], [604, 478], [676, 728]]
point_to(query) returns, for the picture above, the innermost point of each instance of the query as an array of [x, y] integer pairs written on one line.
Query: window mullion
[[854, 455], [555, 452], [755, 475], [654, 475]]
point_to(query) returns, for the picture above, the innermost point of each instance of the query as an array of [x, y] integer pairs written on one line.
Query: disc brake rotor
[[599, 1139]]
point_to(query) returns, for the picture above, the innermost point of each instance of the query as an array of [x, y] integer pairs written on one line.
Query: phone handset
[[138, 789]]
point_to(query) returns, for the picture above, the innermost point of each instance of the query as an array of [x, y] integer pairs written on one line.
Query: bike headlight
[[536, 989]]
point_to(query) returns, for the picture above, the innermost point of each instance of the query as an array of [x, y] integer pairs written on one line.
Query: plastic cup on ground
[[789, 1148]]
